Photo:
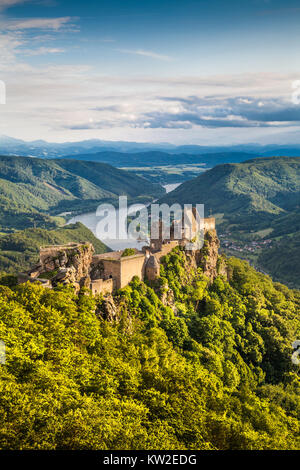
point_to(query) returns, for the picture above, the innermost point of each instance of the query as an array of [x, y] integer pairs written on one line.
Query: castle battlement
[[76, 263]]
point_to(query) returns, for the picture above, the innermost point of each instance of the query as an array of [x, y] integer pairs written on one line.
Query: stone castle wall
[[76, 263], [111, 270], [121, 269], [103, 286], [132, 266]]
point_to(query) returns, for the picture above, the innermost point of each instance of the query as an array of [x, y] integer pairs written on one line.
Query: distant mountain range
[[43, 149], [156, 158]]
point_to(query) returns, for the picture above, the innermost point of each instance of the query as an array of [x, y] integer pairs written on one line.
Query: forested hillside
[[163, 167], [154, 158], [179, 364], [246, 191], [253, 201], [33, 190], [19, 251], [282, 260]]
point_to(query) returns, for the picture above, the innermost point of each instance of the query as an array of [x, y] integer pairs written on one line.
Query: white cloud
[[69, 101], [9, 43], [16, 35], [4, 4], [42, 51], [37, 23], [144, 53]]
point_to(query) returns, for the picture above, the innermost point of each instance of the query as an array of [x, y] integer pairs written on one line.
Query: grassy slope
[[261, 185], [32, 189], [19, 251]]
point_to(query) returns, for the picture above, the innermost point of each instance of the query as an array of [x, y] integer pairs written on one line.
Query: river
[[90, 220]]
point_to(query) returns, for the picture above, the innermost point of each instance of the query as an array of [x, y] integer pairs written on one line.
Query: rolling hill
[[163, 167], [34, 190], [166, 168], [268, 186]]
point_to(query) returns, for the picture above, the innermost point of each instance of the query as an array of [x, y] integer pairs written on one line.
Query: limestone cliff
[[167, 298], [67, 264], [207, 258]]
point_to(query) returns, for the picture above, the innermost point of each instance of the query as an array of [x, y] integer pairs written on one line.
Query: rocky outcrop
[[64, 276], [207, 258], [108, 309], [167, 298], [69, 264]]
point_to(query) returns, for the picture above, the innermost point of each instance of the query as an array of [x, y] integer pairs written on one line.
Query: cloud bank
[[77, 98]]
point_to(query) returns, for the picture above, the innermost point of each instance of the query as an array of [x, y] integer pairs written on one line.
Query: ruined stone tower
[[152, 268]]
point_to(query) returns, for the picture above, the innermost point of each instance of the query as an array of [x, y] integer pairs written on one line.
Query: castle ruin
[[76, 263]]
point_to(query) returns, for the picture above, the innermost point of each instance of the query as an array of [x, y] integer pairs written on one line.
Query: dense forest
[[181, 363]]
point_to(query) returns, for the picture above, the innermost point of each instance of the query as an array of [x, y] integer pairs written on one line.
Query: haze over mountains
[[41, 148], [162, 163], [158, 158]]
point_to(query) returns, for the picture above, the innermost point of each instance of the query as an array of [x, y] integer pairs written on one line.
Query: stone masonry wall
[[132, 266], [102, 286]]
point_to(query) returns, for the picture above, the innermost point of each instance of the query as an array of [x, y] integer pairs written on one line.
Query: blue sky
[[178, 71]]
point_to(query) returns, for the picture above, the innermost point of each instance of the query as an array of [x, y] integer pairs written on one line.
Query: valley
[[138, 328], [34, 192], [254, 202], [90, 220]]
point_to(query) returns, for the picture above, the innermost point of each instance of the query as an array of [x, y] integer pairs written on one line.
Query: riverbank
[[91, 220]]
